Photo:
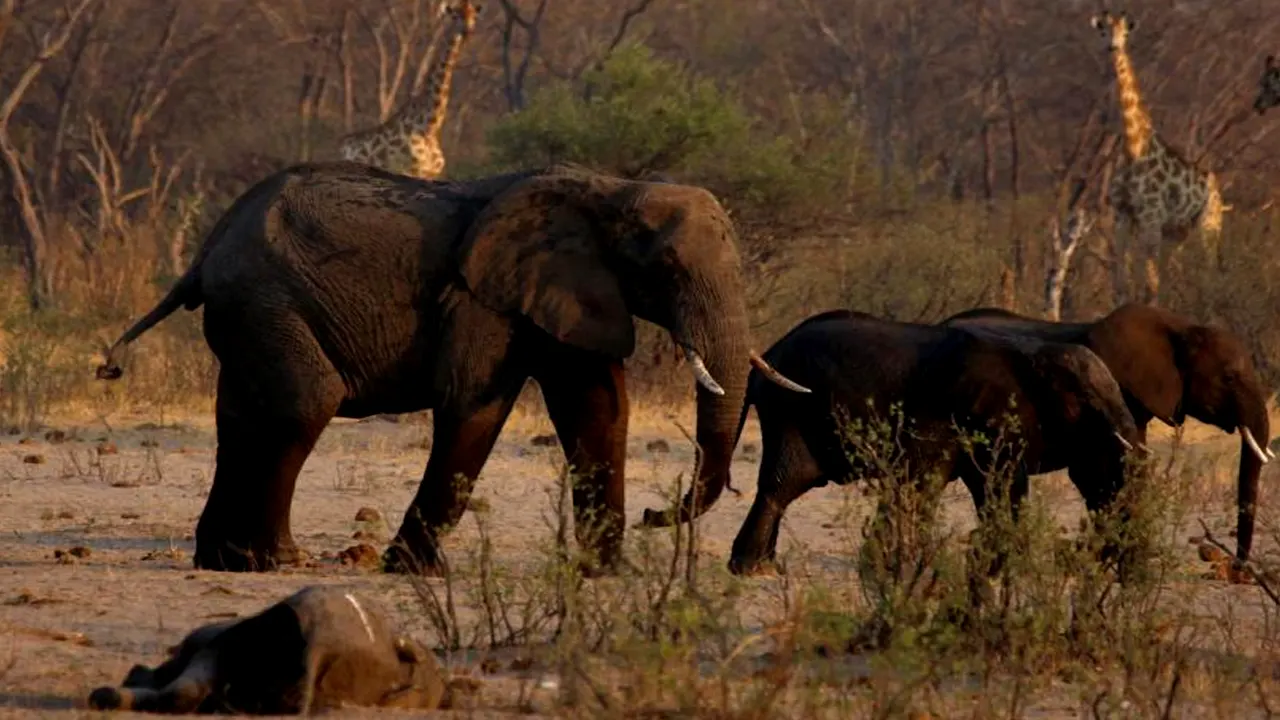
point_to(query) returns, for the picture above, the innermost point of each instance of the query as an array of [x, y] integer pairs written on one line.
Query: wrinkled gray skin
[[322, 647], [1169, 368], [1069, 409], [340, 289]]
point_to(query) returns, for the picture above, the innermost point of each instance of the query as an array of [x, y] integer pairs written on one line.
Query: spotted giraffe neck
[[424, 116], [1138, 129]]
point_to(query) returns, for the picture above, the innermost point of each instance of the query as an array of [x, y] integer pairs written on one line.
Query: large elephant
[[340, 289], [1169, 368], [1068, 408]]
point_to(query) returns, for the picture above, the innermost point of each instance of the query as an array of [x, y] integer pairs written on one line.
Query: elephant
[[1169, 368], [321, 647], [339, 289], [1069, 412]]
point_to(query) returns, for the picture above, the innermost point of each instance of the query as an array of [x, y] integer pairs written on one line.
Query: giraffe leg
[[1161, 248], [1120, 270], [1151, 288]]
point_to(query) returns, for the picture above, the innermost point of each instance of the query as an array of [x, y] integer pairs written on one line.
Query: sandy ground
[[70, 624]]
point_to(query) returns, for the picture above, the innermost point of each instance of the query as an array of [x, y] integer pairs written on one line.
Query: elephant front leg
[[588, 405], [787, 471], [461, 443], [1100, 480], [995, 526]]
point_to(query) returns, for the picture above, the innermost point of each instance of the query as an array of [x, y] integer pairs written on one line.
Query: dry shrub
[[909, 620], [99, 286]]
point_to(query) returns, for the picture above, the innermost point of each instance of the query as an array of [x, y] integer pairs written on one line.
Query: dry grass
[[122, 469]]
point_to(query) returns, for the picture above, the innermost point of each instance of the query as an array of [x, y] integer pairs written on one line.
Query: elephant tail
[[184, 294]]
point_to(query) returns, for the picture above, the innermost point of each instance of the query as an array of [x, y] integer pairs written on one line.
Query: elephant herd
[[337, 289]]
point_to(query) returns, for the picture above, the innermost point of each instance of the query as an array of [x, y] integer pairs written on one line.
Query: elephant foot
[[766, 567], [229, 556], [593, 568], [105, 698], [399, 559], [657, 518]]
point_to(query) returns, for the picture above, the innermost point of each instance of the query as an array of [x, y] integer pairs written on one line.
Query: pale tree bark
[[35, 241], [1085, 166], [172, 58], [397, 34], [346, 68], [310, 94], [67, 97], [426, 59], [1064, 240], [295, 29]]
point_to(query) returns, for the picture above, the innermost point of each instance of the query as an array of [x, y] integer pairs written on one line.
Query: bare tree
[[514, 76], [51, 42], [1064, 240], [397, 33]]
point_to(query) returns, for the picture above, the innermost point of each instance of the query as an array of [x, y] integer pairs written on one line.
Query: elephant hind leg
[[272, 406]]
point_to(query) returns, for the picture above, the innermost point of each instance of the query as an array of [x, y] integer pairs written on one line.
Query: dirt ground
[[131, 495]]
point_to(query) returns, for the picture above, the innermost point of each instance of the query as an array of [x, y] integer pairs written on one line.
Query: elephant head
[[1175, 369], [579, 254], [1084, 400], [1268, 86]]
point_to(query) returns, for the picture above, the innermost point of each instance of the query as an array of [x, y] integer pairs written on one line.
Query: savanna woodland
[[902, 158]]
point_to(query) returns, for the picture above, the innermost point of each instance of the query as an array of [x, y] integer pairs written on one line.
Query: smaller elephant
[[1170, 368], [322, 647], [1268, 86], [1069, 410]]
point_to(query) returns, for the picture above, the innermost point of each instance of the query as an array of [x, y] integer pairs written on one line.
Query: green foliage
[[638, 114]]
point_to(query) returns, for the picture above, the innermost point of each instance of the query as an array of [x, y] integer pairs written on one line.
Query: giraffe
[[1268, 86], [409, 141], [1158, 192]]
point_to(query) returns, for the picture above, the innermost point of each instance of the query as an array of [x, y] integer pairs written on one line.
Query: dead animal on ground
[[322, 647]]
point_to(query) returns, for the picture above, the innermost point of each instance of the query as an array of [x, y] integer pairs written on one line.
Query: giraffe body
[[409, 141], [1157, 192]]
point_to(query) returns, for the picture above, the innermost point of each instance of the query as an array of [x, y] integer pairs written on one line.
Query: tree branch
[[513, 79]]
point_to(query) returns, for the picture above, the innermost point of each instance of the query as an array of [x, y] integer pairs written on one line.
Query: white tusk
[[364, 619], [770, 372], [1253, 445], [1127, 445], [1269, 453], [701, 373]]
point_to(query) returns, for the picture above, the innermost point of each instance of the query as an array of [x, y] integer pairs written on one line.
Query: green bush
[[638, 114]]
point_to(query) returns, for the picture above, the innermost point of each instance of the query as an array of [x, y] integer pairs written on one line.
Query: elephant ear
[[536, 250], [1058, 368], [1146, 360]]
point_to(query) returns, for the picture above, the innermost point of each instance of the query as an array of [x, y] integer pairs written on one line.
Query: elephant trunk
[[714, 336], [1255, 434]]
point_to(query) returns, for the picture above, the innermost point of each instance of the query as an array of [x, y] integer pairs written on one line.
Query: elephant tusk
[[770, 372], [1127, 445], [700, 372], [1253, 445], [1269, 452]]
